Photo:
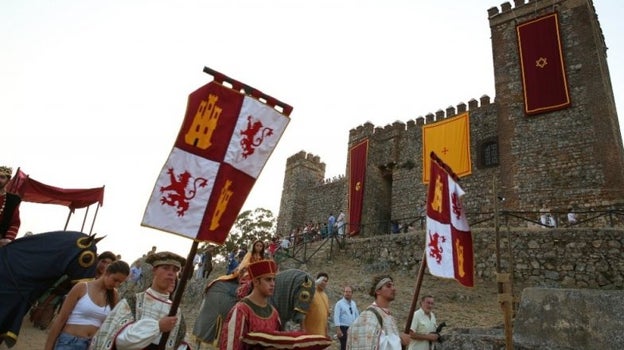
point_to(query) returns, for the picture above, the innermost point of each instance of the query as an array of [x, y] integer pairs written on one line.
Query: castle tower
[[571, 155], [303, 172]]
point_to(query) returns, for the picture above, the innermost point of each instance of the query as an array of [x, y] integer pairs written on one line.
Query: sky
[[93, 93]]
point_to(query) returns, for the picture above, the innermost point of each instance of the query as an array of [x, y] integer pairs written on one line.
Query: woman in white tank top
[[85, 308]]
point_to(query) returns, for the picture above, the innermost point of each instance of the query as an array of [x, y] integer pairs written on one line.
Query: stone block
[[570, 319]]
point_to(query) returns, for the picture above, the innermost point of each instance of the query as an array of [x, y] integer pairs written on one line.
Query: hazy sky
[[93, 93]]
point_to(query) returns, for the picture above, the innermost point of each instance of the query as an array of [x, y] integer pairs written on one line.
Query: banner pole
[[419, 279], [186, 273]]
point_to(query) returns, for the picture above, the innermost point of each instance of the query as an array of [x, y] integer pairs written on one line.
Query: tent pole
[[84, 220], [67, 221], [94, 217]]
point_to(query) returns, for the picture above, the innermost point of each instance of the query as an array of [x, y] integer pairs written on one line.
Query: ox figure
[[29, 266]]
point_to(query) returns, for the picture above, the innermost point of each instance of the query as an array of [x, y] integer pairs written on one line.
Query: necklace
[[387, 311]]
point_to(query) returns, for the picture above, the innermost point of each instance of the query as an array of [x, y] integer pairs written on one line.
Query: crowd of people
[[371, 328], [92, 315]]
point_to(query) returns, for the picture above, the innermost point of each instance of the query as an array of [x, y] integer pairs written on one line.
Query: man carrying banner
[[376, 328], [253, 313], [138, 321]]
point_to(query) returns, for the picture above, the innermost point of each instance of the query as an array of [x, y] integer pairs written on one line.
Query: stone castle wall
[[570, 157], [561, 258]]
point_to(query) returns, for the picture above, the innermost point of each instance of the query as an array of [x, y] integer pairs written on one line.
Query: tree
[[249, 227]]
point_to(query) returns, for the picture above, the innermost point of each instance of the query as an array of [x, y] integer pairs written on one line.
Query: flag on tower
[[450, 140], [544, 77], [448, 244], [226, 138]]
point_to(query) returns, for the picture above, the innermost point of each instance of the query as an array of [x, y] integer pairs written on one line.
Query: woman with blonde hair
[[86, 306]]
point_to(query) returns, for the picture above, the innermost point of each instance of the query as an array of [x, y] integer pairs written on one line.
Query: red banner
[[448, 238], [224, 142], [357, 175], [542, 66]]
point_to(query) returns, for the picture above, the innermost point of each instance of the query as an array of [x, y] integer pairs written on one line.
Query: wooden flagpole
[[419, 279], [186, 274]]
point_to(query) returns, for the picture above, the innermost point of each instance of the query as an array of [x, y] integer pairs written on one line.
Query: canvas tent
[[31, 190]]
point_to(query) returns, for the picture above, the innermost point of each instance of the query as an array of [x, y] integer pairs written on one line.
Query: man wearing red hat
[[253, 313], [9, 209]]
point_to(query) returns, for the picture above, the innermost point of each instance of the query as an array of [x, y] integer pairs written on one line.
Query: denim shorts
[[71, 342]]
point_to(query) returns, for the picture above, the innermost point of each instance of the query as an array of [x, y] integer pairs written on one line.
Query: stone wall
[[570, 319], [560, 258]]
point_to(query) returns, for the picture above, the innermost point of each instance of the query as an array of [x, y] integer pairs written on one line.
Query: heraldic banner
[[225, 140], [448, 239], [542, 66], [357, 175], [450, 139]]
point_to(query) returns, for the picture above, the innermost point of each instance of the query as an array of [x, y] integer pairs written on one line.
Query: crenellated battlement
[[368, 129], [520, 8], [304, 156]]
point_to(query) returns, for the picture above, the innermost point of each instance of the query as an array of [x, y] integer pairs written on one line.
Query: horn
[[307, 283], [98, 239], [90, 239]]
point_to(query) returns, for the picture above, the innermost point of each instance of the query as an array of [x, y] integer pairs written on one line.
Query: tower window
[[489, 153]]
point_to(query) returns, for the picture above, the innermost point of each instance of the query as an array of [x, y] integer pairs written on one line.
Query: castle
[[568, 156]]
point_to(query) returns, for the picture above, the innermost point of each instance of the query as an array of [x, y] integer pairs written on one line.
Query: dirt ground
[[458, 306]]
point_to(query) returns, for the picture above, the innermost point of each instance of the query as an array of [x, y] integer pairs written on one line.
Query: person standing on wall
[[331, 222], [340, 224]]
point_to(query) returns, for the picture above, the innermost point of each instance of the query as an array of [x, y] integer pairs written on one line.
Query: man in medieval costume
[[253, 313], [9, 209], [138, 321], [376, 328]]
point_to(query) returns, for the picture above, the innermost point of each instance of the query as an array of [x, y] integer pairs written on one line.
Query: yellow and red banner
[[224, 142], [357, 175], [448, 243], [450, 139], [542, 65]]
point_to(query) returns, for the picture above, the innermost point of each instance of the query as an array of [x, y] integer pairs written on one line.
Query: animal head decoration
[[87, 257]]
